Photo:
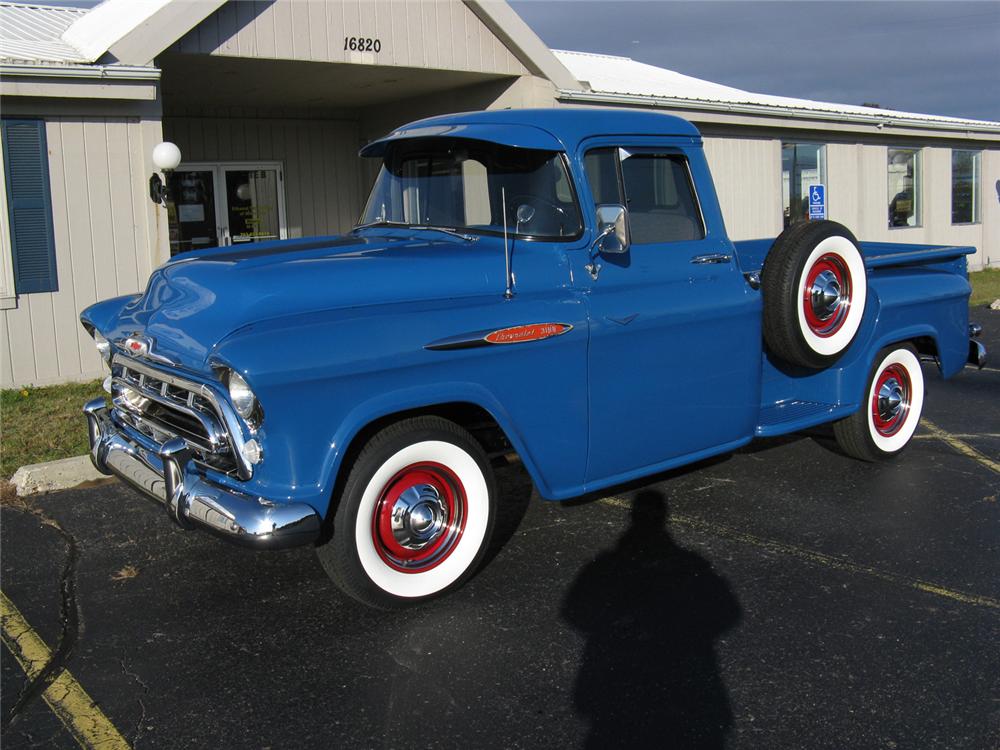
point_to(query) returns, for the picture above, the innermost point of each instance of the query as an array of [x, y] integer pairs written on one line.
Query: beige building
[[269, 102]]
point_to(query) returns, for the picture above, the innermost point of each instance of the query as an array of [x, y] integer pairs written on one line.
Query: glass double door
[[213, 205]]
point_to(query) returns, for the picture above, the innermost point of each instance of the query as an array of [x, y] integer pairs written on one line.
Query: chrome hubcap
[[825, 295], [418, 516], [890, 399]]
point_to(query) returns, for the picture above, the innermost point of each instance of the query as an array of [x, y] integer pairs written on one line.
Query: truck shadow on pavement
[[650, 612]]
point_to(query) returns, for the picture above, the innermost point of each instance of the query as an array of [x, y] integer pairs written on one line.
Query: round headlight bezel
[[242, 397]]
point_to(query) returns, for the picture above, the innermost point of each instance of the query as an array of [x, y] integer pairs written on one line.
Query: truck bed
[[751, 253]]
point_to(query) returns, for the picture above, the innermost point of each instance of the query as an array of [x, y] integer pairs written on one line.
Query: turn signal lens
[[252, 452], [242, 397]]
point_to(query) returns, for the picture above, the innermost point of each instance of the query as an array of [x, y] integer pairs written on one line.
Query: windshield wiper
[[379, 223], [446, 230]]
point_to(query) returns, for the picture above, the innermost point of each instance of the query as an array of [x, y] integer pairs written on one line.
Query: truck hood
[[193, 302]]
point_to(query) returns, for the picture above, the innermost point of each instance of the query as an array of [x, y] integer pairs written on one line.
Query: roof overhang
[[765, 115], [79, 81]]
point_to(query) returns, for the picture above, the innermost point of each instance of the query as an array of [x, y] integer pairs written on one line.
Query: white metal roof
[[33, 33], [613, 78]]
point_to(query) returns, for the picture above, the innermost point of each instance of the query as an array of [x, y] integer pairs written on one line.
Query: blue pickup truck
[[552, 283]]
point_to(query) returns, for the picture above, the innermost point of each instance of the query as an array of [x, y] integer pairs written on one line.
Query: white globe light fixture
[[166, 158]]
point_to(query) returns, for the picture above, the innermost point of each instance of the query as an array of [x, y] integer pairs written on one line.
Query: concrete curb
[[54, 475]]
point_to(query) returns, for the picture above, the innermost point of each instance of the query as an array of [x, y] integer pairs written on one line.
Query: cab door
[[674, 357]]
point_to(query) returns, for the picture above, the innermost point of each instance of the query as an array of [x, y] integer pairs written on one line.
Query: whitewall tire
[[415, 516], [890, 412], [815, 289]]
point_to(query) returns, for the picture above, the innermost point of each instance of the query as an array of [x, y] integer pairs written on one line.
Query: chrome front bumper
[[171, 477]]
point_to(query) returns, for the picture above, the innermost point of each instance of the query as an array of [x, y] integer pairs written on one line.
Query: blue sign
[[817, 202]]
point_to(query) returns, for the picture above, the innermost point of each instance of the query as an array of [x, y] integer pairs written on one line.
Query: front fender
[[322, 378]]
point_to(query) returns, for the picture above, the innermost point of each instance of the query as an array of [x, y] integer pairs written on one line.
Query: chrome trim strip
[[477, 339], [170, 477]]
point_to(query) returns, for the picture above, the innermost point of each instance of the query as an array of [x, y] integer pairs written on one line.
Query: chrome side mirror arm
[[593, 267]]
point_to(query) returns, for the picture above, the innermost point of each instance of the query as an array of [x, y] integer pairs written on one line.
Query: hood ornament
[[138, 346]]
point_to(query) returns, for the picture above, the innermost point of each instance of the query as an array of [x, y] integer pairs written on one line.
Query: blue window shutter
[[29, 205]]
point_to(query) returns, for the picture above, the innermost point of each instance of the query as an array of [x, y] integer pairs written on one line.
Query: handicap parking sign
[[817, 202]]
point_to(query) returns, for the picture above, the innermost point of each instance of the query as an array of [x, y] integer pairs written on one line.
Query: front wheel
[[889, 415], [415, 516]]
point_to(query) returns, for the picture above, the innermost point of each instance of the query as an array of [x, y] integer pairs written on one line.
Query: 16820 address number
[[362, 44]]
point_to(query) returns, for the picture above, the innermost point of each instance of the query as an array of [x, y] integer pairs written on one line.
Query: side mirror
[[613, 227]]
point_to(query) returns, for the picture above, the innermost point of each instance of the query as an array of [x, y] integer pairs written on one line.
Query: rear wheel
[[415, 516], [889, 415]]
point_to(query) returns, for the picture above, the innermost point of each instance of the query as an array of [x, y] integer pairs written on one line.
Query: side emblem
[[137, 346], [533, 332]]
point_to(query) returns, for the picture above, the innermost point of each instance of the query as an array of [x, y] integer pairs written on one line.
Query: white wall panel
[[105, 237], [747, 175], [441, 34]]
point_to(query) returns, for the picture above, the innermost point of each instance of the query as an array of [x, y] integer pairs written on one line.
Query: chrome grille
[[162, 406]]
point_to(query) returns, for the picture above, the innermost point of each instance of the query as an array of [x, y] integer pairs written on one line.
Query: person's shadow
[[651, 612]]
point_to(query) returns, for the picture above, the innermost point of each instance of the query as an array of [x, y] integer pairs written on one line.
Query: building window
[[965, 171], [29, 205], [802, 165], [904, 187]]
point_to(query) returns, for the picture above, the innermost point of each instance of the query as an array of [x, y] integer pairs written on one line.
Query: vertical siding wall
[[324, 181], [858, 196], [105, 237], [747, 176], [441, 34]]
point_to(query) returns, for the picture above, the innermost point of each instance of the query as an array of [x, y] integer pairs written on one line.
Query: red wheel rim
[[826, 295], [419, 517], [891, 400]]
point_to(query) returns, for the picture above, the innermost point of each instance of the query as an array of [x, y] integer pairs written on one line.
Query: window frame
[[823, 164], [671, 152], [918, 188], [977, 176]]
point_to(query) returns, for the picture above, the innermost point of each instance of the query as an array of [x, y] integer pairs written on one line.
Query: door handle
[[711, 258]]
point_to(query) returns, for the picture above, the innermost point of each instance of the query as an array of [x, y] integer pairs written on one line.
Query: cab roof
[[556, 129]]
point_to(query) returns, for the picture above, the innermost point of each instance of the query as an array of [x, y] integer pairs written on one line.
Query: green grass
[[985, 286], [42, 424]]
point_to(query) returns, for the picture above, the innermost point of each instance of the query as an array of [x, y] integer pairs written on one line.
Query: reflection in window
[[660, 199], [904, 187], [965, 171], [802, 165], [601, 165], [464, 184]]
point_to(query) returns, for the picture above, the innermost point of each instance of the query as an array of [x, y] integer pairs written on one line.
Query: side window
[[660, 199], [601, 166]]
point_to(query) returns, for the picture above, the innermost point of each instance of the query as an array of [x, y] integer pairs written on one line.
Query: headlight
[[103, 346], [242, 397]]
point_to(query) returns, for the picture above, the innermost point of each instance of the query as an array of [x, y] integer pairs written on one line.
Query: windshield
[[462, 184]]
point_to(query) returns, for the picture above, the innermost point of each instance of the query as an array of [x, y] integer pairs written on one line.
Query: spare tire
[[815, 287]]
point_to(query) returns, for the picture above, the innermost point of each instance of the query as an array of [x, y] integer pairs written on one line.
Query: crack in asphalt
[[69, 621], [141, 722]]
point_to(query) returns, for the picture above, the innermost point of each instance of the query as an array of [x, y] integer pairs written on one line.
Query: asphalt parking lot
[[783, 596]]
